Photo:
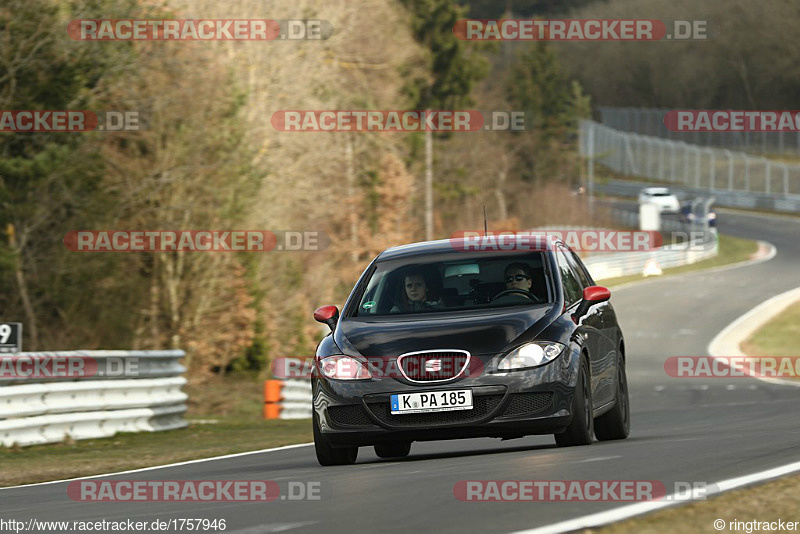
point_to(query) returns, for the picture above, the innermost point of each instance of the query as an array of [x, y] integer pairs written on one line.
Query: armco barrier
[[287, 399], [614, 264], [142, 393], [603, 267], [149, 364]]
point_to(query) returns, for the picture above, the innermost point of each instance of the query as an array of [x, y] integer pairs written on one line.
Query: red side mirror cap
[[596, 294], [328, 315]]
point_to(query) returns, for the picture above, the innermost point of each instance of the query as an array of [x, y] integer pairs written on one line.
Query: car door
[[602, 315], [588, 326]]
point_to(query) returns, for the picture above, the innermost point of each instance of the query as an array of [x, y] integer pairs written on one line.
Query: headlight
[[530, 355], [343, 367], [712, 216]]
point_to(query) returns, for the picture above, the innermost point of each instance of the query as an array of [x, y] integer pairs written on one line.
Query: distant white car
[[660, 196]]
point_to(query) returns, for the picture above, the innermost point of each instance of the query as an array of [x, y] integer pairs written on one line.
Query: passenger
[[415, 296]]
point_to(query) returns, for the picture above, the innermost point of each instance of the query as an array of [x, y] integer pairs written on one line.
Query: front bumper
[[508, 405]]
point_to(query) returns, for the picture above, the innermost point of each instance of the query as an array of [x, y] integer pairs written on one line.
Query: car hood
[[487, 332]]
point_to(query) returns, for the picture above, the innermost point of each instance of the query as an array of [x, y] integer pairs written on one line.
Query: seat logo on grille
[[433, 366]]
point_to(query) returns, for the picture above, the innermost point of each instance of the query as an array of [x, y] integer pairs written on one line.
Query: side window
[[580, 269], [572, 288]]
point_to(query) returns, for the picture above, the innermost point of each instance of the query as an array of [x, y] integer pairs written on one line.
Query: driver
[[518, 276]]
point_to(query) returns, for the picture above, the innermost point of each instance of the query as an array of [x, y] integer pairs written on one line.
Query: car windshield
[[398, 287]]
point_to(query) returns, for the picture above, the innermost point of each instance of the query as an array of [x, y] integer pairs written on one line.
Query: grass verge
[[767, 502], [731, 250], [778, 337]]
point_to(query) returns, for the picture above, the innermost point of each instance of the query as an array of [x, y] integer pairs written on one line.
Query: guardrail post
[[768, 166], [746, 173], [712, 170], [730, 169], [785, 179]]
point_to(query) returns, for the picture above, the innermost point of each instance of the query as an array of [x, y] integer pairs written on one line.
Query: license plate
[[433, 401]]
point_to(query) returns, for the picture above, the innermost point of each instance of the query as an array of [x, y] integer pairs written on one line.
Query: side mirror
[[591, 295], [595, 294], [328, 315]]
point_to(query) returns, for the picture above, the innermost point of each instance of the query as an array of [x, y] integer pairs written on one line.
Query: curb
[[727, 342]]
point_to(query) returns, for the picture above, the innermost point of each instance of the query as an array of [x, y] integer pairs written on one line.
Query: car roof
[[655, 190], [442, 246]]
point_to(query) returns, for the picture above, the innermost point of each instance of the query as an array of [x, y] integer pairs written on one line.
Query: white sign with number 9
[[5, 333]]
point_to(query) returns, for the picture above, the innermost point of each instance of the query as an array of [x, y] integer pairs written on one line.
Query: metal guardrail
[[612, 265], [650, 121], [603, 267], [110, 364], [287, 399], [730, 199], [735, 178], [117, 391]]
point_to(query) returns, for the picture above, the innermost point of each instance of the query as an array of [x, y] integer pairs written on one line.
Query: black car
[[688, 216], [437, 342]]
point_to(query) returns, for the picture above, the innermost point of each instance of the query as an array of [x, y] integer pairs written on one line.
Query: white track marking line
[[632, 510], [272, 527], [600, 459]]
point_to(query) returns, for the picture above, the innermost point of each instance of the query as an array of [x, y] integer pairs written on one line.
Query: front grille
[[432, 366], [352, 415], [528, 403], [483, 405]]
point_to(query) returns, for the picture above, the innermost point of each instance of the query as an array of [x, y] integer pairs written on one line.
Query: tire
[[393, 450], [581, 429], [616, 423], [327, 455]]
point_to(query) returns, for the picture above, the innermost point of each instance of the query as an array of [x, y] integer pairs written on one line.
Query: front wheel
[[580, 430], [327, 455], [616, 423]]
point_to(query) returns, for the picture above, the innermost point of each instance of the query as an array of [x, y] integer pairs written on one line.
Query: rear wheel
[[616, 423], [393, 450], [580, 430], [327, 455]]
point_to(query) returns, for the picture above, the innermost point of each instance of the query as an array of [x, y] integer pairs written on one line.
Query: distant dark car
[[689, 217], [469, 357]]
